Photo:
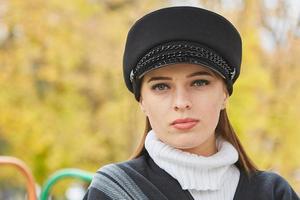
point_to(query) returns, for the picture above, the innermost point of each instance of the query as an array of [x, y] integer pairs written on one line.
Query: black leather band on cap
[[181, 52]]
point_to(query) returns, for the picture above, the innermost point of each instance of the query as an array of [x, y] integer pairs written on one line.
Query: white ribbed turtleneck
[[210, 178]]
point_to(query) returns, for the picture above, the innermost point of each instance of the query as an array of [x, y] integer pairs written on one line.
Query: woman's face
[[183, 104]]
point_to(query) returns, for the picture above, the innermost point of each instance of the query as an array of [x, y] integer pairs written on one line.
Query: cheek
[[212, 113], [216, 100], [157, 112], [154, 109], [209, 108]]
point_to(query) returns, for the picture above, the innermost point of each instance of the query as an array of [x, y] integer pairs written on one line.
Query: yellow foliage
[[64, 103]]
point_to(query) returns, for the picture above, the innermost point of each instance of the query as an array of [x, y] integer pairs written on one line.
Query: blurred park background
[[63, 102]]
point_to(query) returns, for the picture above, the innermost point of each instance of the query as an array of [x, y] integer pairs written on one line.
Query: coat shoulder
[[113, 181], [273, 184]]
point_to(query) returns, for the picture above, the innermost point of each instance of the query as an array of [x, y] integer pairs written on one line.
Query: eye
[[199, 83], [160, 87]]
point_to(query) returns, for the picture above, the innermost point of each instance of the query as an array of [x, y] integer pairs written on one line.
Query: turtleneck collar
[[193, 172]]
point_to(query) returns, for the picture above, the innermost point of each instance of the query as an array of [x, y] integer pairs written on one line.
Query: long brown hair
[[223, 128]]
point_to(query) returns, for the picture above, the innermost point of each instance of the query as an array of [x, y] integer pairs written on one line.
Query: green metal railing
[[61, 174], [30, 183]]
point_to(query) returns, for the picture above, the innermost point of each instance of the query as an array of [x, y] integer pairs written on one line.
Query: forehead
[[180, 69]]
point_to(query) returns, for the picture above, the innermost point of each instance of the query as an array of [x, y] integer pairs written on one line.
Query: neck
[[206, 149], [195, 171]]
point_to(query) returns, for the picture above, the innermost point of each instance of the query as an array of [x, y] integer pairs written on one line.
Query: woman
[[181, 64]]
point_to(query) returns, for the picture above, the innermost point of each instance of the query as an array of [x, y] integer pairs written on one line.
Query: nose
[[182, 100]]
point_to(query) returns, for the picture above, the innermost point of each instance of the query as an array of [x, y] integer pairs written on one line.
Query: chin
[[184, 145]]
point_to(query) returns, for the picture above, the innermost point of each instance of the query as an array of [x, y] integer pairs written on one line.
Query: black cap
[[181, 35]]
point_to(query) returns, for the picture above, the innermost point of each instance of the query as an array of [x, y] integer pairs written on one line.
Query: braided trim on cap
[[174, 53]]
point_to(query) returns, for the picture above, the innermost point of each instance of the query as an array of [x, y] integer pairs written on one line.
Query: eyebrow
[[158, 78], [199, 73]]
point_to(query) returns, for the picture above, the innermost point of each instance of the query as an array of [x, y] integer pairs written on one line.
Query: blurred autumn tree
[[63, 102]]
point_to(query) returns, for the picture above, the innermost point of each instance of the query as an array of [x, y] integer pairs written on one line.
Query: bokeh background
[[63, 102]]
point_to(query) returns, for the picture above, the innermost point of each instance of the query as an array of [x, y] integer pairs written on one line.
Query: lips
[[184, 124]]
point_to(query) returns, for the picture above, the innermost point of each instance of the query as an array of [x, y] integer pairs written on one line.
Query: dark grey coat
[[142, 179]]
